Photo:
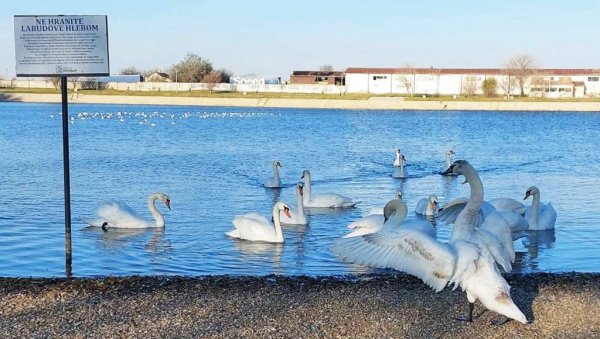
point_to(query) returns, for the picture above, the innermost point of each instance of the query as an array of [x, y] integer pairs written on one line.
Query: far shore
[[372, 103]]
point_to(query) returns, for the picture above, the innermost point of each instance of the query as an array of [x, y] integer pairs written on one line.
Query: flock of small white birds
[[152, 119], [481, 240]]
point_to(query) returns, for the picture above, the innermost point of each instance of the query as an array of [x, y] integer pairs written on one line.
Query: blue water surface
[[212, 162]]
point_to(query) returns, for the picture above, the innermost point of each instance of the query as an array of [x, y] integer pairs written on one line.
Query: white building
[[465, 81]]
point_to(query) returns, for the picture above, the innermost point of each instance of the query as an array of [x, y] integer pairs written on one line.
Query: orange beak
[[287, 212], [168, 203]]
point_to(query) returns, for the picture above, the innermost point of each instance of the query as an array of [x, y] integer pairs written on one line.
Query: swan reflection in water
[[258, 251], [119, 238], [536, 242]]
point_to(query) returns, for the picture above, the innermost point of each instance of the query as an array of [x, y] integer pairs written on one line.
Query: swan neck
[[299, 203], [276, 172], [535, 211], [160, 220], [448, 160], [277, 223], [465, 220], [307, 188]]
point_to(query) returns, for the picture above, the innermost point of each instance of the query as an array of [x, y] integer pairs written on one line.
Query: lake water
[[212, 162]]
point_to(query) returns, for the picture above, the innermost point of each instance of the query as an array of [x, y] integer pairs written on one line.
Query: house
[[466, 81], [157, 77], [317, 77]]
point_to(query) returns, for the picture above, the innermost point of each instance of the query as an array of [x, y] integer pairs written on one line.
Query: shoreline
[[373, 103], [383, 305]]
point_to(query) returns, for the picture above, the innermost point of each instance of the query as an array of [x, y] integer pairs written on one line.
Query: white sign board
[[61, 45]]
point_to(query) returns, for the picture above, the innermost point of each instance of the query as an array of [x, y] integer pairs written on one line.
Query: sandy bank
[[394, 103], [397, 306]]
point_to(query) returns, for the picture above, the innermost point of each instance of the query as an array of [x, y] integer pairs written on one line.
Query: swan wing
[[119, 214], [330, 200], [370, 221], [420, 225], [406, 250], [498, 241], [547, 217], [250, 227], [374, 210], [421, 207], [508, 204], [450, 211]]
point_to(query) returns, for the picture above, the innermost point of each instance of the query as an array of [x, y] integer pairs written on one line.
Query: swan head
[[458, 167], [450, 152], [433, 200], [164, 198], [399, 195], [276, 163], [531, 191], [305, 175], [281, 206]]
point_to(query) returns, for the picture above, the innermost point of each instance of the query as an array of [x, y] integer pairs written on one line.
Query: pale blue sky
[[276, 37]]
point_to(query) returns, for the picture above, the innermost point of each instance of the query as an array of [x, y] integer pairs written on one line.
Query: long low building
[[469, 81]]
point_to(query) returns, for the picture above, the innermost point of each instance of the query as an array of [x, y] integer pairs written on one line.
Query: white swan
[[326, 200], [427, 206], [297, 217], [540, 216], [448, 158], [119, 214], [274, 181], [255, 227], [369, 223], [399, 164], [468, 260]]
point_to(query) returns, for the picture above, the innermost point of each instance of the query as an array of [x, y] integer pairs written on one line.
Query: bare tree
[[74, 82], [55, 82], [326, 68], [211, 80], [521, 67], [508, 83], [132, 70], [470, 85], [407, 78], [192, 68]]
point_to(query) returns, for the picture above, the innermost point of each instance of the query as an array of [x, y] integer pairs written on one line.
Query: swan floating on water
[[298, 217], [119, 214], [255, 227], [326, 200], [540, 216], [468, 260], [274, 181], [448, 158], [399, 164], [427, 206]]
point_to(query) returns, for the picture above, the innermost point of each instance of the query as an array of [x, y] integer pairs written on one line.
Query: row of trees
[[517, 70], [193, 68]]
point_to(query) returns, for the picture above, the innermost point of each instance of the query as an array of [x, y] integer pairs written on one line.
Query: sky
[[274, 38]]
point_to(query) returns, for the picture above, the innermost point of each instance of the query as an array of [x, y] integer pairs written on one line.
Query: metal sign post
[[62, 46], [67, 177]]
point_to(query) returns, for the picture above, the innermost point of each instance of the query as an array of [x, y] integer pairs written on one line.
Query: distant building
[[317, 77], [458, 81], [157, 77]]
